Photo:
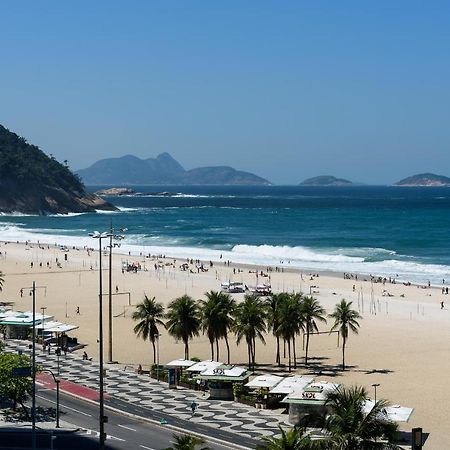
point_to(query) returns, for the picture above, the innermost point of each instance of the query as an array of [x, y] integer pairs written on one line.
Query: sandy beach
[[403, 342]]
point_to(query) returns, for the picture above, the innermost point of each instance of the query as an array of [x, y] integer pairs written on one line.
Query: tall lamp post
[[116, 237], [33, 364], [375, 385], [102, 418]]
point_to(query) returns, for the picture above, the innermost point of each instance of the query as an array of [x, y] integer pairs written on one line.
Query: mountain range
[[162, 170]]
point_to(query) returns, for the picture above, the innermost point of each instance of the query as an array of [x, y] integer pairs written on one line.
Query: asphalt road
[[130, 433]]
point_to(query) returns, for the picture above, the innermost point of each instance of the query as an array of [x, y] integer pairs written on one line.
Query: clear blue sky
[[286, 90]]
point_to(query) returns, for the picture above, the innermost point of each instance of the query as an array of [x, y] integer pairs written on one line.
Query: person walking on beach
[[442, 305], [193, 406], [78, 310]]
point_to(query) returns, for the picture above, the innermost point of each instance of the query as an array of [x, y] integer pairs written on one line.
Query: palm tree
[[210, 320], [289, 321], [312, 313], [249, 323], [350, 427], [273, 321], [345, 319], [183, 320], [149, 313], [227, 306], [293, 439], [187, 442]]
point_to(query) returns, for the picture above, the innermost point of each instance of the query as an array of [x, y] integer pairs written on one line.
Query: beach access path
[[154, 400]]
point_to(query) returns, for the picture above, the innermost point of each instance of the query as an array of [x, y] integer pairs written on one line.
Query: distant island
[[425, 179], [162, 170], [33, 183], [325, 180]]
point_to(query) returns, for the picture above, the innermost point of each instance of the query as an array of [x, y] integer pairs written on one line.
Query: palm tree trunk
[[254, 352], [343, 353], [289, 352], [307, 346], [278, 359], [154, 352], [217, 349], [249, 356], [186, 349], [228, 347], [284, 348], [211, 343], [295, 351]]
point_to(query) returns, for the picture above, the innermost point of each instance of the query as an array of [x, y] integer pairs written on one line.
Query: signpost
[[20, 372]]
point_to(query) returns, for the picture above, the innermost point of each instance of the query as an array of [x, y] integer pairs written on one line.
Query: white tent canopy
[[395, 413], [56, 327], [227, 371], [22, 318], [204, 365], [180, 363], [264, 381], [288, 385]]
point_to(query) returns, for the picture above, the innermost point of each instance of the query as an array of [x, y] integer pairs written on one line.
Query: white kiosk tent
[[220, 380], [264, 382], [291, 384], [18, 323], [309, 400], [396, 413], [202, 366]]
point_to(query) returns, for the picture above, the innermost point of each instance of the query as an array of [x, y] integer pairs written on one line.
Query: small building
[[309, 400], [175, 369], [264, 382], [220, 380], [19, 323]]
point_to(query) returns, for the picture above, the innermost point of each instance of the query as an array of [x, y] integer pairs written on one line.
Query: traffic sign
[[21, 372]]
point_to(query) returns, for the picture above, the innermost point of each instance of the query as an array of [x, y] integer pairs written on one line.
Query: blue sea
[[388, 231]]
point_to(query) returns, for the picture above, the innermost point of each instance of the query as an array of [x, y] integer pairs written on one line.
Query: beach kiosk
[[309, 400], [220, 380], [17, 323], [201, 366], [175, 368]]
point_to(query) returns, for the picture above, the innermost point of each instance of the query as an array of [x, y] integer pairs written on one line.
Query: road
[[131, 433]]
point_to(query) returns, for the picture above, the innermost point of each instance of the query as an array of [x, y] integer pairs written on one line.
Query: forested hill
[[32, 182]]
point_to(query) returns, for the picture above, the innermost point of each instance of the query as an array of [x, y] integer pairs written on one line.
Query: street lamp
[[117, 237], [375, 385], [102, 418], [33, 364]]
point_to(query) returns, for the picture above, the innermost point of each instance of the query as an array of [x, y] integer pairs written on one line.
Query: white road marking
[[127, 428], [64, 406], [148, 448]]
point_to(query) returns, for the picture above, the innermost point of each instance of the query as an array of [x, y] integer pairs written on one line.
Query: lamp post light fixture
[[375, 385], [102, 418]]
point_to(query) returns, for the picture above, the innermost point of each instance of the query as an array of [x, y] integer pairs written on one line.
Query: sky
[[284, 89]]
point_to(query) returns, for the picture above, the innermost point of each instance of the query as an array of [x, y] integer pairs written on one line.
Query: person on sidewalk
[[194, 406]]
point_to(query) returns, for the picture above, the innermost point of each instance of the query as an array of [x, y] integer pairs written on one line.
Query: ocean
[[384, 231]]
